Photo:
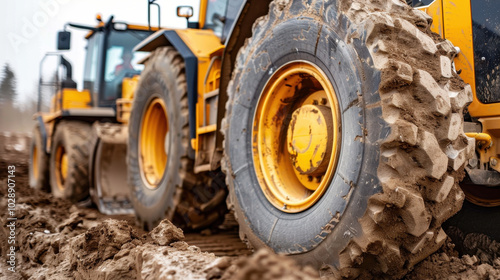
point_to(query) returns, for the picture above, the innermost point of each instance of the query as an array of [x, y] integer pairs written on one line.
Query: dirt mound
[[446, 264], [99, 244], [485, 248], [111, 249], [166, 233], [262, 265]]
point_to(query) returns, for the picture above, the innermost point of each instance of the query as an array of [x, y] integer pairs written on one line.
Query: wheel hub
[[296, 136], [309, 139]]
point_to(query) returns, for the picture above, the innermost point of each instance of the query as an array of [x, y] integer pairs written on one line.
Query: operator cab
[[110, 59]]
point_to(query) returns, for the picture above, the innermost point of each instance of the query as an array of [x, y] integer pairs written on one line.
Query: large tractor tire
[[160, 171], [38, 163], [69, 161], [343, 136]]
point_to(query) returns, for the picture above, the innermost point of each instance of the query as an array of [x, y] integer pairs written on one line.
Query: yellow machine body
[[69, 98]]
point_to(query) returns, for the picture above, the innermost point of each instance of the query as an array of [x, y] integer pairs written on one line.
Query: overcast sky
[[29, 28]]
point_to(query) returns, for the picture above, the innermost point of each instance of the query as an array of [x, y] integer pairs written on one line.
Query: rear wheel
[[341, 146], [159, 166], [38, 163], [69, 161]]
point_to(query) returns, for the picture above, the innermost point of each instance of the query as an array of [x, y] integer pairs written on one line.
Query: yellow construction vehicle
[[79, 146], [339, 126], [60, 146]]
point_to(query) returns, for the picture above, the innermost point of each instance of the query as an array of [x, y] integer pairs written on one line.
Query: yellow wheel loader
[[65, 140], [342, 127]]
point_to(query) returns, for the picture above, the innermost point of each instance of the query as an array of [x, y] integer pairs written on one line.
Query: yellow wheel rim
[[153, 143], [296, 136], [61, 167], [34, 160]]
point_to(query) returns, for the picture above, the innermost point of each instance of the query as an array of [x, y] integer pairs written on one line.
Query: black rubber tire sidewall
[[309, 229]]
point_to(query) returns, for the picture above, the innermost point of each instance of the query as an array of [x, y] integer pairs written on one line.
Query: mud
[[446, 264], [58, 240]]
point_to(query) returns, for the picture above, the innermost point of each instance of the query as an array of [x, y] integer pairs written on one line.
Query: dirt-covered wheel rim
[[153, 142], [61, 167], [295, 171]]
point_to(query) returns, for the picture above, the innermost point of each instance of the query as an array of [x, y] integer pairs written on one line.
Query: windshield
[[121, 62], [216, 10], [90, 73]]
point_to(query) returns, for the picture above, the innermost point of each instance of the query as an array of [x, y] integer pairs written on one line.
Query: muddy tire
[[171, 189], [401, 145], [38, 163], [69, 161]]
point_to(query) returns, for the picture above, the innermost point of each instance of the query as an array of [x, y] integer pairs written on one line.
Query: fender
[[171, 38]]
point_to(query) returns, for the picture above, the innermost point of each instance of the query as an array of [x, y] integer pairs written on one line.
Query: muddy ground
[[58, 240]]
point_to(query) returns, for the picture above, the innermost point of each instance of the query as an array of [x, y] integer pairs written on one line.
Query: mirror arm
[[79, 26], [152, 2]]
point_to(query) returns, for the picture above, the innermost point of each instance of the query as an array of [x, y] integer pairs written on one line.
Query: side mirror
[[185, 11], [63, 40]]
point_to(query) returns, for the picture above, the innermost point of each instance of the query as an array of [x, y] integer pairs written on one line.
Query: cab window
[[216, 10], [91, 59], [121, 61]]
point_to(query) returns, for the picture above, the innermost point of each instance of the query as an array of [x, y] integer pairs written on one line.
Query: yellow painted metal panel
[[201, 42], [129, 86], [74, 99], [457, 22], [71, 99], [435, 10], [458, 29]]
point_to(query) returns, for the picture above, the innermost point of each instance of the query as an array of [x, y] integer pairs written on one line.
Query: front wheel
[[160, 170], [343, 148]]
